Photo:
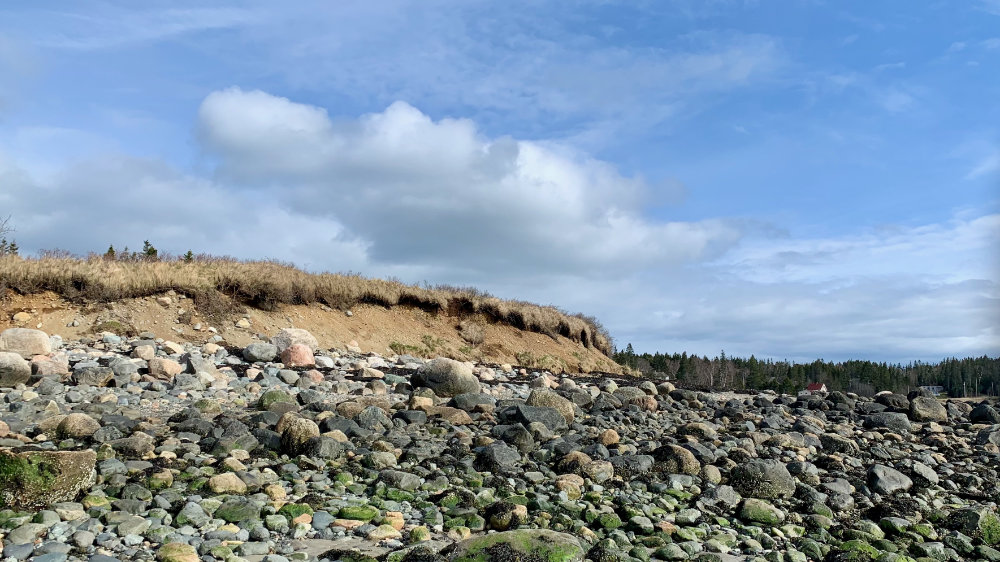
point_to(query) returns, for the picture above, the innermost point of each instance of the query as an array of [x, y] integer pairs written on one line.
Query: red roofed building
[[816, 387]]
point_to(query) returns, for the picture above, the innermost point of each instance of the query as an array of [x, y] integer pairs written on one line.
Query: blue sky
[[793, 179]]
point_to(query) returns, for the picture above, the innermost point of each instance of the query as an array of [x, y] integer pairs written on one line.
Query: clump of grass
[[222, 284], [470, 331]]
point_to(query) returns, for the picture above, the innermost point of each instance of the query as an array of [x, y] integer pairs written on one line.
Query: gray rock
[[887, 480], [895, 422], [497, 456], [525, 415], [93, 375], [447, 377], [399, 479], [763, 478], [260, 352], [984, 413], [925, 408]]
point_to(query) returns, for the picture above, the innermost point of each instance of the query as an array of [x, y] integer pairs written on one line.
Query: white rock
[[25, 342]]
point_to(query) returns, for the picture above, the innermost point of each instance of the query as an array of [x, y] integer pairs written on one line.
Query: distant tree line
[[971, 376]]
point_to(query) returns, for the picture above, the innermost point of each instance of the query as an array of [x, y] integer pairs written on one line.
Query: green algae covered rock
[[33, 479], [535, 545]]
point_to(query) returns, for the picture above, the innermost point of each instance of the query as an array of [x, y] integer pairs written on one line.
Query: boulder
[[887, 480], [979, 523], [296, 434], [35, 479], [447, 377], [525, 415], [496, 457], [164, 369], [77, 426], [926, 409], [25, 342], [177, 552], [14, 370], [763, 478], [551, 399], [298, 355], [895, 422], [260, 352], [522, 544], [56, 365], [93, 376], [288, 337], [674, 459], [984, 413]]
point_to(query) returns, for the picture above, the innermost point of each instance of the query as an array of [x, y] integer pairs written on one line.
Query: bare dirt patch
[[372, 328]]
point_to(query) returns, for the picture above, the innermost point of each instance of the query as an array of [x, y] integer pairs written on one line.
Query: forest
[[971, 376]]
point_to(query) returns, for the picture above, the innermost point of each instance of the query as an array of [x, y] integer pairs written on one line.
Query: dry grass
[[471, 332], [268, 284]]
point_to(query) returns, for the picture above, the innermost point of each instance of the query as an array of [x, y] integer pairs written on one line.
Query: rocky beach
[[116, 448]]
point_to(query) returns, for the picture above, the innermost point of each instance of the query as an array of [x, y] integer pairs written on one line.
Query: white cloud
[[991, 6], [896, 101], [123, 200], [420, 191], [901, 293], [989, 164], [109, 25]]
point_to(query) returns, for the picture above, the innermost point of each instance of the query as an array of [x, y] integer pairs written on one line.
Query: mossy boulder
[[977, 522], [293, 510], [177, 552], [237, 510], [759, 511], [33, 479], [272, 397], [856, 551], [358, 512], [528, 545]]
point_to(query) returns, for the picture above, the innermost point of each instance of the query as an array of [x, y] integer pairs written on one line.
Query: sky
[[795, 180]]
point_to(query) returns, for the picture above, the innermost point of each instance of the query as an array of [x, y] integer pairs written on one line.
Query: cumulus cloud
[[123, 200], [421, 191]]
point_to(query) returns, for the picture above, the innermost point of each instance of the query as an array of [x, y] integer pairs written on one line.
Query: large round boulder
[[288, 337], [447, 377], [77, 426], [25, 342]]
